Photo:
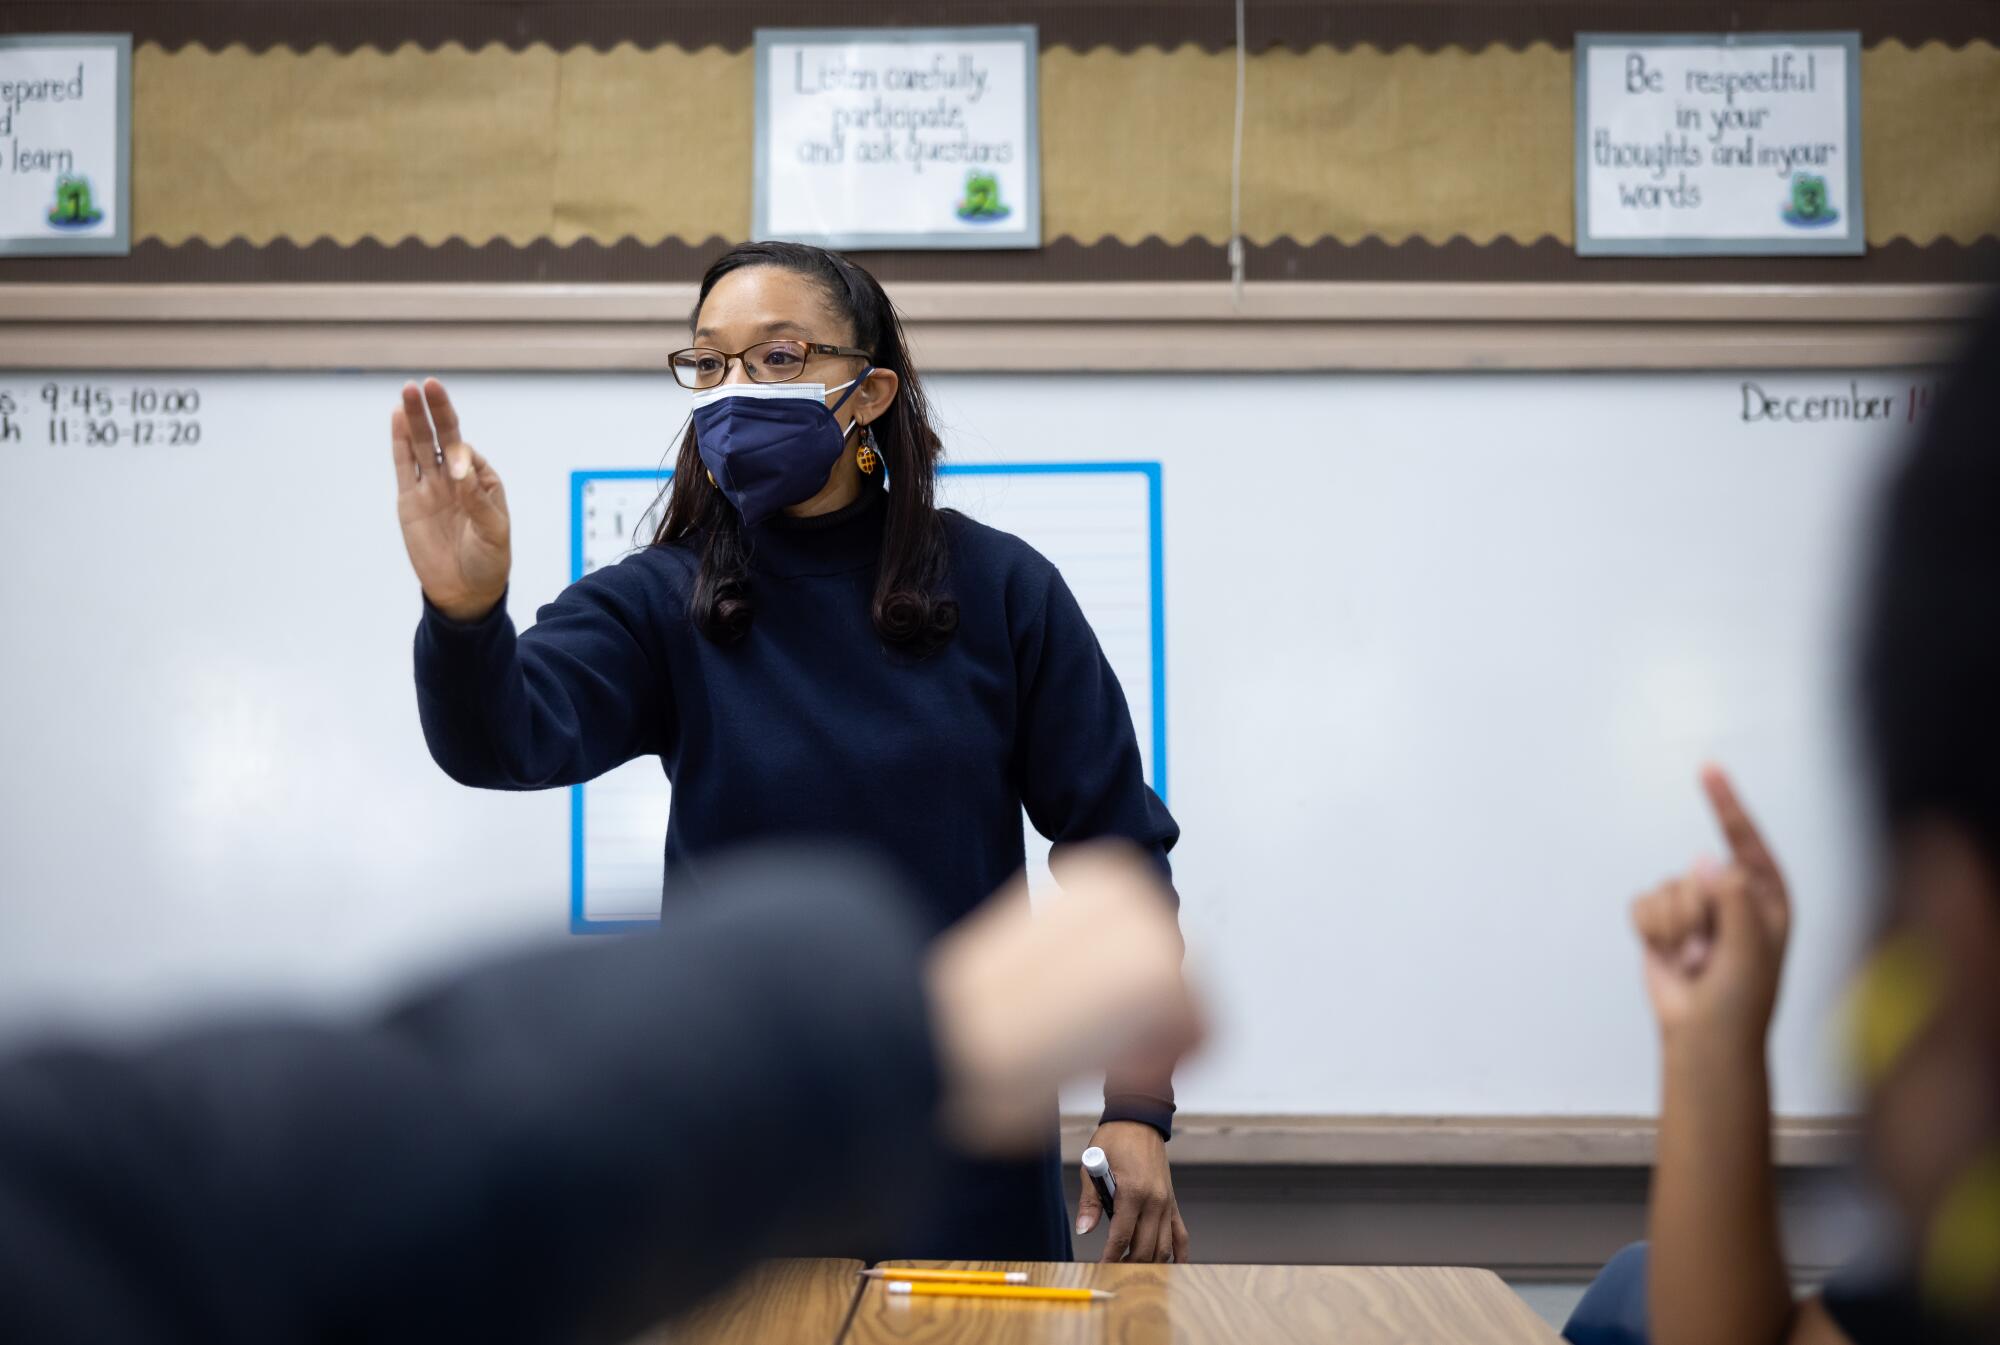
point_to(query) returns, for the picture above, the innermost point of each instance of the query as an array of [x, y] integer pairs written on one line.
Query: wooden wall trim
[[982, 303], [1463, 1141], [967, 327], [1020, 348]]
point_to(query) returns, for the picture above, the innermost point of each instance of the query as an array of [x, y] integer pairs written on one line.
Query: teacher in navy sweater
[[813, 649]]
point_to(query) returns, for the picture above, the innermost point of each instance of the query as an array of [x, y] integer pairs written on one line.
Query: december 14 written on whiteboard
[[143, 414], [1739, 144]]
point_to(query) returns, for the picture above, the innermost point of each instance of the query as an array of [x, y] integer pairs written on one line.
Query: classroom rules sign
[[1742, 144], [898, 138], [65, 143]]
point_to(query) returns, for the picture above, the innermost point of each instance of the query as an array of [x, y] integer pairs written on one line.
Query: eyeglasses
[[698, 367]]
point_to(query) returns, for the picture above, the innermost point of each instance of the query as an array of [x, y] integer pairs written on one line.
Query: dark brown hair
[[910, 609]]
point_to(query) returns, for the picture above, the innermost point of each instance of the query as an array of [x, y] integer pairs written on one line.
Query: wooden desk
[[1216, 1305], [778, 1303]]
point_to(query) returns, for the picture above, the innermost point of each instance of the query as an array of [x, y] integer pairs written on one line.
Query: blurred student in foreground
[[1926, 1005], [570, 1145]]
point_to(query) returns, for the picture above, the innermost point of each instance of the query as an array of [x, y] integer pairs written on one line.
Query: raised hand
[[454, 513], [1715, 936]]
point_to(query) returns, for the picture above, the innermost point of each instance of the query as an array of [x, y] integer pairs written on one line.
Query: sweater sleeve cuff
[[1141, 1107], [449, 651], [435, 618]]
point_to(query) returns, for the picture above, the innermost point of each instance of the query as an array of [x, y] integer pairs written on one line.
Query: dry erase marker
[[914, 1273], [1098, 1168], [1031, 1292]]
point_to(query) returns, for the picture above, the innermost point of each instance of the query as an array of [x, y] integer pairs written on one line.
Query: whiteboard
[[1440, 655]]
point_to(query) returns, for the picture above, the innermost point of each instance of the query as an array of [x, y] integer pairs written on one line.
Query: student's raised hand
[[1715, 937], [454, 517], [1022, 998]]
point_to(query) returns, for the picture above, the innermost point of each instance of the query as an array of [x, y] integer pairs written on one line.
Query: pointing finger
[[1746, 843]]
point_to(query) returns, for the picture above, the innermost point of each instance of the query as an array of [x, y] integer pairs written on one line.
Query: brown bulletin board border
[[1124, 25], [1064, 260]]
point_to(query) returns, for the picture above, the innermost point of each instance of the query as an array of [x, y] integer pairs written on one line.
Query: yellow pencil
[[951, 1276], [934, 1289]]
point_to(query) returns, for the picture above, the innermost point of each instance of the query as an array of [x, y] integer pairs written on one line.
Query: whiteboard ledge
[[1456, 1141]]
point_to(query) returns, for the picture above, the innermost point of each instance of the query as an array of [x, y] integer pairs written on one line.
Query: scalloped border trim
[[1104, 240], [1074, 49]]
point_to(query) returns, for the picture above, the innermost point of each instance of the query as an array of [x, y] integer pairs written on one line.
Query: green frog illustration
[[74, 208], [981, 203], [1810, 206]]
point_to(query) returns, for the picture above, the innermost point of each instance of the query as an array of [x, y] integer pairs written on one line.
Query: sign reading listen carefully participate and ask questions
[[65, 143], [898, 138], [1744, 144]]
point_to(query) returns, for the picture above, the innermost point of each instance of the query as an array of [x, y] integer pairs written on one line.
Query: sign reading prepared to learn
[[65, 143], [1745, 143], [898, 138]]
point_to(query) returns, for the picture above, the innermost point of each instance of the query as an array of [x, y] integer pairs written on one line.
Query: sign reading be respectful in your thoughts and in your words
[[898, 138], [65, 143], [1745, 144]]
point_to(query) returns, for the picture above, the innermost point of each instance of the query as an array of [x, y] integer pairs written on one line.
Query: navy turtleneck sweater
[[810, 727]]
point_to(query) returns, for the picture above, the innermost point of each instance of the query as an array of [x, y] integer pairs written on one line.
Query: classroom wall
[[598, 141]]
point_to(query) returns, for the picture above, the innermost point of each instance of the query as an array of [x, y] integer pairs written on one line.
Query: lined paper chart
[[613, 514], [1099, 523], [618, 822]]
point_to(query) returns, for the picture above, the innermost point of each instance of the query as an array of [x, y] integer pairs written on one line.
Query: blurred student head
[[1927, 1012]]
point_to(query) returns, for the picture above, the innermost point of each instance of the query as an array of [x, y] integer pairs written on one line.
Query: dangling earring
[[868, 457]]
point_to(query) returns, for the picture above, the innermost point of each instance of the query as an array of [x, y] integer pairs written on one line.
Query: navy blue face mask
[[769, 445]]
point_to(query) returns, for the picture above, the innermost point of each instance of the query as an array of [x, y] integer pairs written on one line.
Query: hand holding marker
[[1098, 1168]]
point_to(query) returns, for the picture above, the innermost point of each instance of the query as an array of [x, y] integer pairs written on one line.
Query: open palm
[[454, 515]]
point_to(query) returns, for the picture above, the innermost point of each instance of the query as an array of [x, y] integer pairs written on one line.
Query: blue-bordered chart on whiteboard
[[1099, 522]]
